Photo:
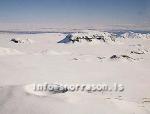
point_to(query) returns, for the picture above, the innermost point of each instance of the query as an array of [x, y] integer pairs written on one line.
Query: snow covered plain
[[38, 58]]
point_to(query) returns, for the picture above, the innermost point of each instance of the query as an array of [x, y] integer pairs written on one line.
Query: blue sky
[[76, 13]]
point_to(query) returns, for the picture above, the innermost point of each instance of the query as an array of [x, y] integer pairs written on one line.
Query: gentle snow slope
[[45, 60]]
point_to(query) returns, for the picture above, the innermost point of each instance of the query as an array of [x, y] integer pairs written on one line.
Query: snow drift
[[9, 51]]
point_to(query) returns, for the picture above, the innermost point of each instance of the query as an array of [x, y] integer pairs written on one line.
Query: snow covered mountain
[[90, 35], [135, 35]]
